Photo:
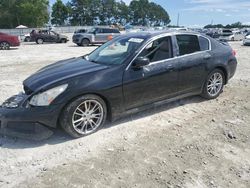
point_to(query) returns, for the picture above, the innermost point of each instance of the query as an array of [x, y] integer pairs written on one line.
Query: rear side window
[[188, 44], [204, 43], [106, 31], [115, 31]]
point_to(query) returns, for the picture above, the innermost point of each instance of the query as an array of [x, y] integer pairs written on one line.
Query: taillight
[[110, 37], [234, 52]]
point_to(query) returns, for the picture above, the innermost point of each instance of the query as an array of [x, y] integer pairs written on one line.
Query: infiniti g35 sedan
[[125, 75]]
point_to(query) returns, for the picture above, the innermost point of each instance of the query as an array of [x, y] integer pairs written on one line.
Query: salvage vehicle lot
[[188, 143]]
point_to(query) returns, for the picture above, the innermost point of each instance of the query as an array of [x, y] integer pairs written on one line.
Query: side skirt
[[153, 105]]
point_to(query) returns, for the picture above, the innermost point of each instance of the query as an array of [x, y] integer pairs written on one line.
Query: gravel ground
[[187, 143]]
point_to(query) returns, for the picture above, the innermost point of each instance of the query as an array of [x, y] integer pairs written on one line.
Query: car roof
[[150, 34]]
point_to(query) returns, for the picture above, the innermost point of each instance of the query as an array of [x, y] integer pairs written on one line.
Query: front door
[[154, 82]]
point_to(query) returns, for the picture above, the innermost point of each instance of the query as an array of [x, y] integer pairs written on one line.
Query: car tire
[[85, 42], [39, 41], [63, 41], [27, 39], [4, 46], [214, 84], [84, 116]]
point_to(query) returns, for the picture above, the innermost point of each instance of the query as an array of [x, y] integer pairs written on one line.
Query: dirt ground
[[187, 143]]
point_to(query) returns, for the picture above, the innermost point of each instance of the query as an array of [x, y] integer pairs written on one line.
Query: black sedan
[[125, 75]]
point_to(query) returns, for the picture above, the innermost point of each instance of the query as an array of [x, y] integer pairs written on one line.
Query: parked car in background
[[95, 35], [125, 75], [225, 34], [27, 38], [42, 36], [7, 41], [237, 36], [246, 40], [213, 34]]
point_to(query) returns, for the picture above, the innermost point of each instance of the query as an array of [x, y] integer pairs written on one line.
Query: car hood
[[60, 71]]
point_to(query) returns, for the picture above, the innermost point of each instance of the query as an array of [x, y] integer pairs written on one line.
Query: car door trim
[[173, 58]]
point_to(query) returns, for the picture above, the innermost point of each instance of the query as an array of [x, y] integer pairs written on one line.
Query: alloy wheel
[[4, 46], [87, 117], [215, 84]]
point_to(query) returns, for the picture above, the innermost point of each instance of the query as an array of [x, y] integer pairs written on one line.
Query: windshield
[[116, 51]]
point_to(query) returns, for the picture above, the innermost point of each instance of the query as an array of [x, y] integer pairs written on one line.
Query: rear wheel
[[39, 41], [63, 40], [4, 46], [84, 116], [214, 84], [85, 42], [27, 39]]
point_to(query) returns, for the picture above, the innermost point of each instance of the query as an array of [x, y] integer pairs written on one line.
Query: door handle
[[207, 57], [169, 67]]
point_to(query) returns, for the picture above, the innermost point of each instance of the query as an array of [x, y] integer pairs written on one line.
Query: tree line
[[107, 12], [228, 26], [31, 13], [36, 13]]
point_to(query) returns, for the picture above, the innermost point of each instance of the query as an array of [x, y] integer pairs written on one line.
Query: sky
[[198, 13]]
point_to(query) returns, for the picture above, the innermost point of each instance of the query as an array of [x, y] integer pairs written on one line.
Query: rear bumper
[[14, 44]]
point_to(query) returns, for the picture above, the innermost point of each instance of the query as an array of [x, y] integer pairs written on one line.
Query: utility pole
[[212, 22], [178, 19]]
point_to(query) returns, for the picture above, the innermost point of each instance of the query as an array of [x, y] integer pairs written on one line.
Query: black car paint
[[123, 87]]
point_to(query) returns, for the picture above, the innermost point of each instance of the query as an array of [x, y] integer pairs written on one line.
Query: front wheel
[[214, 84], [84, 116], [85, 42]]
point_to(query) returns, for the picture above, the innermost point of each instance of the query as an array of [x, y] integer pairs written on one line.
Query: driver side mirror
[[141, 62]]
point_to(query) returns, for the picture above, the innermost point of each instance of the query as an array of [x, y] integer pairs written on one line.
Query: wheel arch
[[107, 102], [224, 70], [85, 38]]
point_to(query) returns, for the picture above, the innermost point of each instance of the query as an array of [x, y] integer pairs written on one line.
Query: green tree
[[32, 13], [145, 13], [107, 12], [59, 13]]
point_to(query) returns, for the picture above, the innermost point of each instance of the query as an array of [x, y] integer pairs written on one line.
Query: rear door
[[100, 35], [194, 54], [53, 37]]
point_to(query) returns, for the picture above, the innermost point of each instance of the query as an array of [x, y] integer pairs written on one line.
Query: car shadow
[[12, 48], [59, 136]]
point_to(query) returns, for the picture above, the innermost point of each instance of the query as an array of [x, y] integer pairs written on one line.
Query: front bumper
[[76, 40], [27, 119]]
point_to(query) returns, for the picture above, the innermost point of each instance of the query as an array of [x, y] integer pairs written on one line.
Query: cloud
[[218, 5]]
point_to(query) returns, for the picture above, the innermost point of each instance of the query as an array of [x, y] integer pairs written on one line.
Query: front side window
[[158, 50], [117, 51], [188, 44]]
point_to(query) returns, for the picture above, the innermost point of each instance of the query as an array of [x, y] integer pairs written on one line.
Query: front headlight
[[47, 97]]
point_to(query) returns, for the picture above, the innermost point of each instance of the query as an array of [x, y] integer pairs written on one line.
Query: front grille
[[27, 90]]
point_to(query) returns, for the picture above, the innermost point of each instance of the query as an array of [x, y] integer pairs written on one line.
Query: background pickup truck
[[95, 36]]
